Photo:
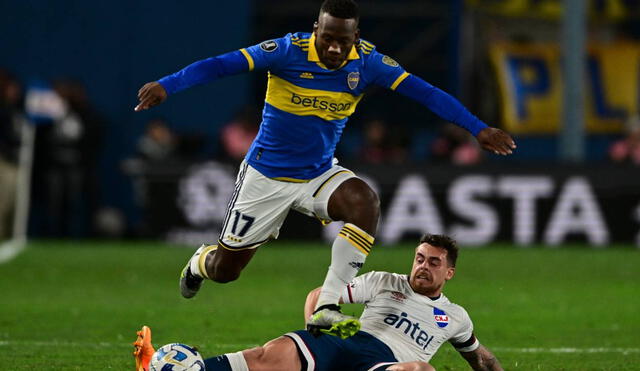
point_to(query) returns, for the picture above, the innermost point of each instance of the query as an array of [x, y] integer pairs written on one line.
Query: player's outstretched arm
[[450, 109], [496, 141], [310, 303], [197, 73], [150, 94], [482, 359], [312, 300]]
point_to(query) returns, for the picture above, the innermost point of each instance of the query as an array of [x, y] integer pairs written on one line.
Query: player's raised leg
[[355, 203], [256, 211], [214, 263], [194, 272]]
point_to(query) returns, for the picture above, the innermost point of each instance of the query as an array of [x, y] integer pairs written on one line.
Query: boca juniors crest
[[353, 79], [441, 317]]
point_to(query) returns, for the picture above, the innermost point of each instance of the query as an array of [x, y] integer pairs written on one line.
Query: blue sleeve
[[383, 71], [204, 71], [267, 54], [441, 103]]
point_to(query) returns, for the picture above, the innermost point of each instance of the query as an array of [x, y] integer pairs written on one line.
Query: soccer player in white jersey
[[316, 80], [405, 321]]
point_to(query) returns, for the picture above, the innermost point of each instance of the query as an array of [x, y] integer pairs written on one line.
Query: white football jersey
[[412, 325]]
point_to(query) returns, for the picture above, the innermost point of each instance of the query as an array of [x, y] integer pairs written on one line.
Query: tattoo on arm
[[482, 359]]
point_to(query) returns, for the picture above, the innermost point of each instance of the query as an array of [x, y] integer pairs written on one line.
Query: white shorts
[[259, 205]]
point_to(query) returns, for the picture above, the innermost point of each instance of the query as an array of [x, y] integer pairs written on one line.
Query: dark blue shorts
[[361, 352]]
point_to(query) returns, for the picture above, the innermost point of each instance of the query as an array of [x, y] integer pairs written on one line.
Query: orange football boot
[[143, 349]]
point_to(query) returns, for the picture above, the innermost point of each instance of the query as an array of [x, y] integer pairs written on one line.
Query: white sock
[[237, 361], [197, 263], [348, 253]]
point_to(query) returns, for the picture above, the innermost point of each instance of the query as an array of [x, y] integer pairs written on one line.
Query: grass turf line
[[77, 305]]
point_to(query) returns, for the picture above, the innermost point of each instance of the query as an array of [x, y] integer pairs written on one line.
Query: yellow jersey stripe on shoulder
[[399, 80], [366, 44], [365, 47], [302, 44], [249, 58]]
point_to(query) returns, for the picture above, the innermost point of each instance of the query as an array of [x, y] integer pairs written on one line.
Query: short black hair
[[345, 9], [444, 242]]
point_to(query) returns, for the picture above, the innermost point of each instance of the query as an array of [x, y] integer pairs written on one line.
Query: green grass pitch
[[76, 305]]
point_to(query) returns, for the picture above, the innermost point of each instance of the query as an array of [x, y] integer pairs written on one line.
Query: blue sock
[[219, 363]]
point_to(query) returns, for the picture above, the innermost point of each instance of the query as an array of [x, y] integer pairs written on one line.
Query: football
[[176, 357]]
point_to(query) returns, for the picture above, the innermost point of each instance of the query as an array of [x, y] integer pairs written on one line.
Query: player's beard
[[422, 282]]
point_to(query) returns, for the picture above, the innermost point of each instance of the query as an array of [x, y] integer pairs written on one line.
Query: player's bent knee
[[355, 202], [276, 355], [253, 357], [361, 195], [366, 199], [363, 209]]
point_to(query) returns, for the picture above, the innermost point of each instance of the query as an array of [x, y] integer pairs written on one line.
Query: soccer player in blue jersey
[[316, 80]]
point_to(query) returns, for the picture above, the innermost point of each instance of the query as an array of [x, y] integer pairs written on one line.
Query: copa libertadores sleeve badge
[[269, 46]]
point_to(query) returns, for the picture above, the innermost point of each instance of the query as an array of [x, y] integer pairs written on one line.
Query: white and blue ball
[[176, 357]]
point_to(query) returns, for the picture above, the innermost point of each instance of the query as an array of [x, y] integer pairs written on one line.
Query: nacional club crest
[[353, 79], [441, 317]]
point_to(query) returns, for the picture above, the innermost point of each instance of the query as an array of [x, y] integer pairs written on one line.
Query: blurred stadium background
[[555, 284]]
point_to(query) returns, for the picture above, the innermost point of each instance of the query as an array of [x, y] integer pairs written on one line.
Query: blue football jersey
[[307, 105]]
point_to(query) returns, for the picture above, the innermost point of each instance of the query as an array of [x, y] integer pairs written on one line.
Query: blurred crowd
[[10, 121], [65, 176], [66, 187], [627, 148], [374, 142]]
